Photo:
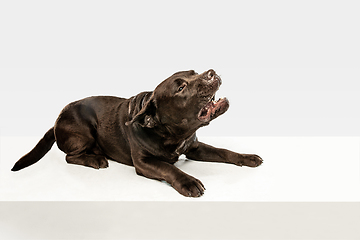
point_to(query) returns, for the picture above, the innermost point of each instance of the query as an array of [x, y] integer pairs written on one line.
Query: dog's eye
[[181, 88]]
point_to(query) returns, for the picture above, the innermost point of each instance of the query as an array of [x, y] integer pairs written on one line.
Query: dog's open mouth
[[213, 109]]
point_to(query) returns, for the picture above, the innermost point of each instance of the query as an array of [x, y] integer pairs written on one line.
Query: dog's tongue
[[213, 109]]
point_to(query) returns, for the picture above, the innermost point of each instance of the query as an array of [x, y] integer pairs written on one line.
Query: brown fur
[[148, 131]]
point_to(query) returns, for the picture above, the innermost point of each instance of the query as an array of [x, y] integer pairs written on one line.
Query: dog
[[148, 131]]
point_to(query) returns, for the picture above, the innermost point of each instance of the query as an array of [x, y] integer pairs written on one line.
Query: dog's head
[[183, 102]]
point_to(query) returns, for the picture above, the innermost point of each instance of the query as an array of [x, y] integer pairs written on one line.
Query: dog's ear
[[146, 116]]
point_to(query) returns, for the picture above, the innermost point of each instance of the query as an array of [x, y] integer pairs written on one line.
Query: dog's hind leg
[[86, 153], [88, 160], [75, 132], [82, 150]]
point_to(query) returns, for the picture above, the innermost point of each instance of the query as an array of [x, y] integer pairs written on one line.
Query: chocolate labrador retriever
[[148, 131]]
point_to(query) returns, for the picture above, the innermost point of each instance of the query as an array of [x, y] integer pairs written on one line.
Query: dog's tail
[[43, 146]]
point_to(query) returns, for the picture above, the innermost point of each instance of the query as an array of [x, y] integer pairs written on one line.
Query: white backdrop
[[263, 101], [288, 68]]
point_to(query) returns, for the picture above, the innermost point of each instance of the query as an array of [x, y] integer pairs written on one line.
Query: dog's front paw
[[189, 186], [249, 160]]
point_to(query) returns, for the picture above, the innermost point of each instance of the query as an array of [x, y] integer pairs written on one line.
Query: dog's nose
[[211, 73]]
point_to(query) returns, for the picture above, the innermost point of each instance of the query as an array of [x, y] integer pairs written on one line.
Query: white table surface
[[294, 169]]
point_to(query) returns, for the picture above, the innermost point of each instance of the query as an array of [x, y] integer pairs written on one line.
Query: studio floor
[[314, 169]]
